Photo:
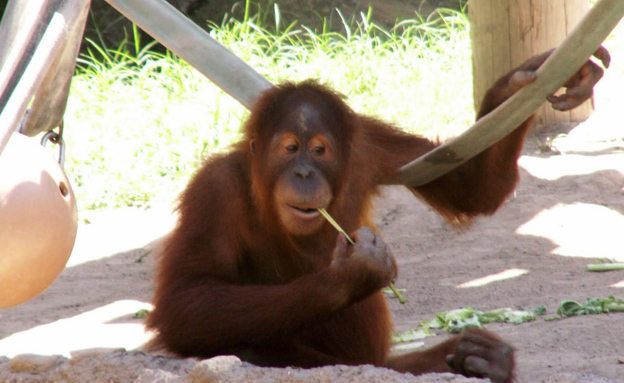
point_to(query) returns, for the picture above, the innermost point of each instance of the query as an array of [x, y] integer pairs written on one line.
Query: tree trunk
[[505, 33]]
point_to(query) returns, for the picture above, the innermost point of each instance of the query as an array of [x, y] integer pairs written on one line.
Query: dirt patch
[[106, 366]]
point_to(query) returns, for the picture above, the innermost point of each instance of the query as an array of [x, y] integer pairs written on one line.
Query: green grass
[[138, 123]]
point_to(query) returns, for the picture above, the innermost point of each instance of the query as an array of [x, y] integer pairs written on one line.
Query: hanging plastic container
[[38, 220]]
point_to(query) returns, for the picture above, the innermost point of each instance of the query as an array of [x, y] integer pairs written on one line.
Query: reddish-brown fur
[[236, 278]]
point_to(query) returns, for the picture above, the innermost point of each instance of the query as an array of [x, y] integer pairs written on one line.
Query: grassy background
[[139, 123]]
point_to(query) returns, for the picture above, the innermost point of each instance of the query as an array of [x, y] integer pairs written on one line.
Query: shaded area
[[108, 28]]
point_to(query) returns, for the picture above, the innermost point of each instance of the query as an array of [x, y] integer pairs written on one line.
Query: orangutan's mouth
[[305, 211]]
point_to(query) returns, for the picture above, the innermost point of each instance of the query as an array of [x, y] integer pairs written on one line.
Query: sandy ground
[[568, 211]]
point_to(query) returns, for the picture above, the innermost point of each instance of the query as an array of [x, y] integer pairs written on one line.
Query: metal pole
[[20, 23], [187, 40], [61, 17], [15, 108]]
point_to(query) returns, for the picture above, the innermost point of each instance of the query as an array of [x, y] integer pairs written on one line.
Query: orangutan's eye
[[319, 150]]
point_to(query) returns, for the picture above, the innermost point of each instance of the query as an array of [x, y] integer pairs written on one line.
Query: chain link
[[56, 138]]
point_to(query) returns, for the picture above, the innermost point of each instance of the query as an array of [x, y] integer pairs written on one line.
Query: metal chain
[[56, 138]]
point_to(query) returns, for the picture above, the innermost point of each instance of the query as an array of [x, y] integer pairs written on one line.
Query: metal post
[[187, 40]]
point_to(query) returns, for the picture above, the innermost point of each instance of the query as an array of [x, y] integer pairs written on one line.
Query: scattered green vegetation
[[139, 123], [141, 314], [143, 256], [591, 306], [410, 339], [456, 320], [411, 335], [605, 264]]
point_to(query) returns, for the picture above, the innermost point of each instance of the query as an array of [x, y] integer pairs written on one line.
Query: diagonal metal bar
[[187, 40]]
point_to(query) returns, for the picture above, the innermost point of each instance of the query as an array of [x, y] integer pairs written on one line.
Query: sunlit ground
[[503, 275], [130, 228], [584, 228], [580, 230], [84, 331]]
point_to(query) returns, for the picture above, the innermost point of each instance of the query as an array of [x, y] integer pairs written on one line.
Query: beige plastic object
[[38, 220]]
